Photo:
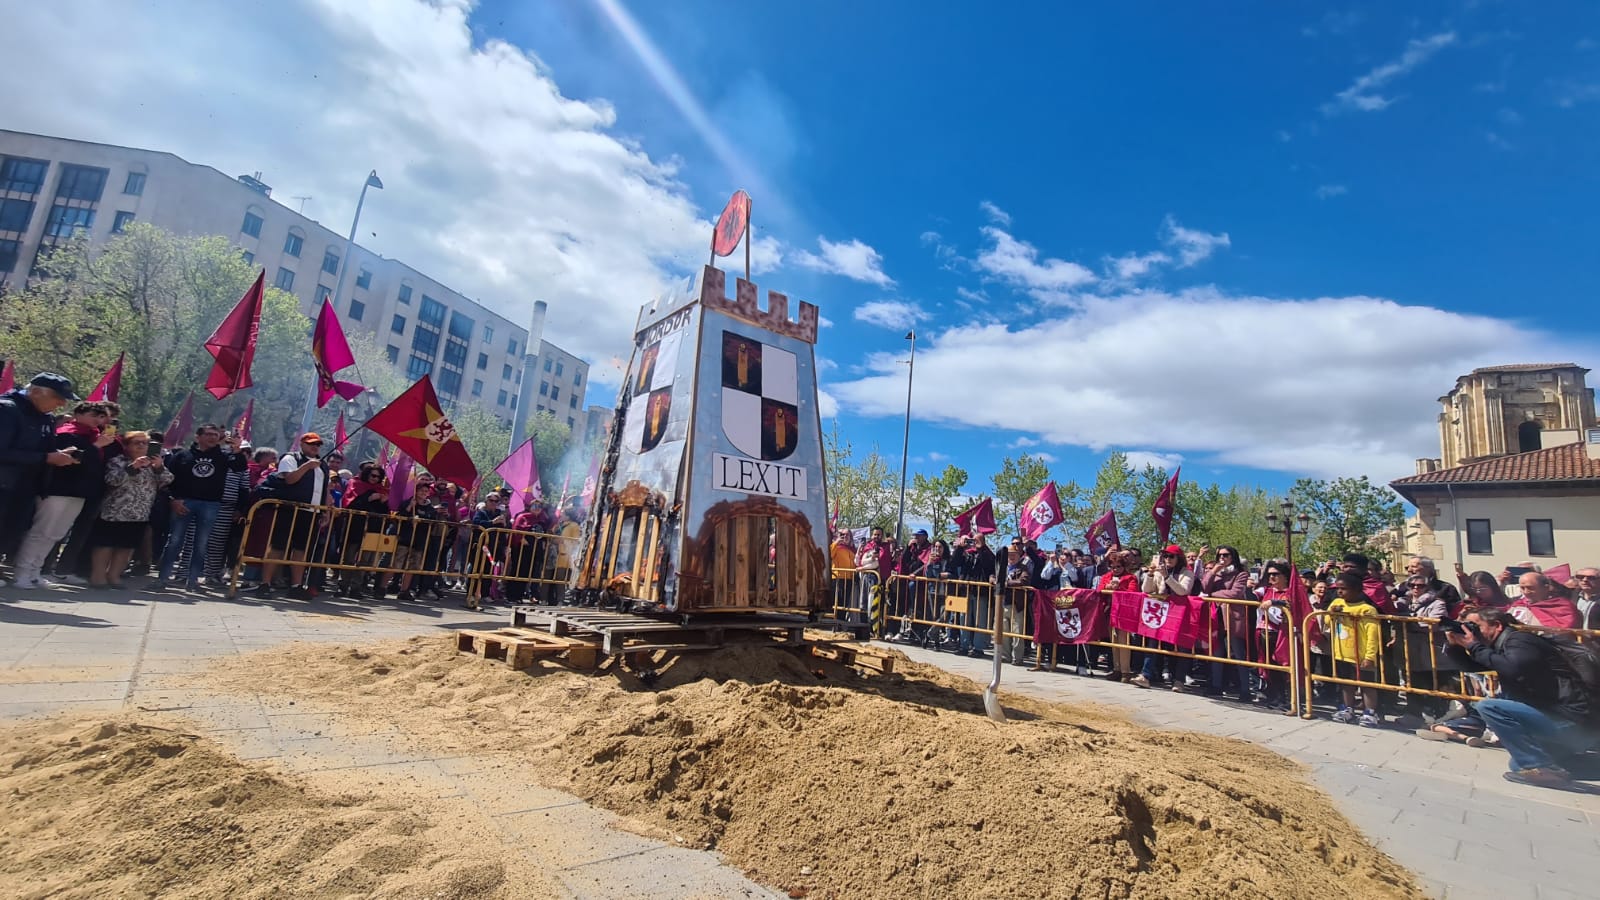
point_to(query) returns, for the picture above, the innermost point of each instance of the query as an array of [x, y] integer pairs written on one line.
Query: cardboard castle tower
[[712, 491]]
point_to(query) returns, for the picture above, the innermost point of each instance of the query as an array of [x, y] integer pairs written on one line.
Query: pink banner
[[1082, 619], [1171, 620]]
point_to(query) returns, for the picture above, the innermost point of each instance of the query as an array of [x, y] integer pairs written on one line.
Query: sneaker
[[1551, 776], [32, 582], [1182, 689], [1083, 670], [1139, 681], [1369, 719], [405, 597], [74, 580], [1345, 715], [264, 589]]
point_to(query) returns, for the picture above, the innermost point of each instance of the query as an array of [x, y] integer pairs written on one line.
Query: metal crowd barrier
[[357, 544], [524, 564], [938, 610]]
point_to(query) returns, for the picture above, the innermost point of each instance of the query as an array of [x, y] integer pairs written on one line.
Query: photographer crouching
[[1545, 714]]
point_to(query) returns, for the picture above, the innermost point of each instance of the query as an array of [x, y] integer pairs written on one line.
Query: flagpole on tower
[[338, 285], [749, 226], [905, 443]]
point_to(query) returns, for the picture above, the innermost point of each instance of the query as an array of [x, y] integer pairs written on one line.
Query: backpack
[[1584, 660]]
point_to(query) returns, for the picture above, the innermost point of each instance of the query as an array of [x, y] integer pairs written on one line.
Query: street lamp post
[[1290, 526], [905, 443], [338, 285]]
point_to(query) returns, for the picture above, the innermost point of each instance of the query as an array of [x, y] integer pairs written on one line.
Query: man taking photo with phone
[[27, 447], [199, 476]]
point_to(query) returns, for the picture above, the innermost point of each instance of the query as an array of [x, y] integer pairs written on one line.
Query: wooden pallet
[[519, 647], [854, 655]]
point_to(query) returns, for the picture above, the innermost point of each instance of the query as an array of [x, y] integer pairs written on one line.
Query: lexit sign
[[752, 476]]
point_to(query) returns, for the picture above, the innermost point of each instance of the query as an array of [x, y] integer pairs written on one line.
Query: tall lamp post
[[905, 443], [1290, 526], [352, 409], [338, 285]]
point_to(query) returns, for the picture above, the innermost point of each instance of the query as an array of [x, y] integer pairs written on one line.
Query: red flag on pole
[[8, 377], [417, 425], [979, 518], [111, 383], [590, 481], [520, 469], [233, 344], [1162, 510], [182, 425], [339, 434], [1103, 533], [242, 428], [1041, 512], [731, 224], [1299, 611], [330, 352]]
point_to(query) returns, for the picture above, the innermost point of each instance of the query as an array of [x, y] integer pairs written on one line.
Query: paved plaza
[[1441, 809]]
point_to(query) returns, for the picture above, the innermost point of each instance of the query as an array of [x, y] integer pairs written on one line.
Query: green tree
[[937, 498], [1017, 480], [1348, 515], [865, 492]]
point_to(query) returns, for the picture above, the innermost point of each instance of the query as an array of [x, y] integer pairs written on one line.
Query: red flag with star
[[417, 426]]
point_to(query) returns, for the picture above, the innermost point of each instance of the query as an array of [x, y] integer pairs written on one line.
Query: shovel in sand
[[991, 694]]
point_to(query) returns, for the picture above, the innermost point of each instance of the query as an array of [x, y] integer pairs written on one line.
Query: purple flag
[[521, 472], [402, 480], [1103, 533], [330, 352]]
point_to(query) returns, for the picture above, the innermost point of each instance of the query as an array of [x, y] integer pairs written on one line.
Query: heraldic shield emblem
[[760, 397], [1069, 624], [651, 409]]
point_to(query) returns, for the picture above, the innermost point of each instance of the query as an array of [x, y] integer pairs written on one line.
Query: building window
[[572, 402], [544, 388], [122, 221], [418, 367], [483, 361], [519, 376], [134, 185], [393, 353], [461, 328], [324, 292], [65, 221], [577, 377], [1478, 537], [81, 183], [477, 388], [357, 309], [15, 214], [330, 262], [505, 373], [547, 365], [555, 393], [9, 250], [558, 368], [364, 280], [398, 326], [570, 423], [432, 312], [405, 294], [513, 401], [511, 346], [425, 341], [455, 352], [293, 244], [285, 280], [1541, 538], [252, 225], [449, 383], [502, 399], [248, 257], [488, 333], [25, 176]]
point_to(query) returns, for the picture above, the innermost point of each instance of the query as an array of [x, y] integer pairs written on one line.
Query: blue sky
[[1261, 243]]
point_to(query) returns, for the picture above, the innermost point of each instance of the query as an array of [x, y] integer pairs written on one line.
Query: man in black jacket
[[1544, 711], [27, 447], [199, 476], [66, 489], [975, 562]]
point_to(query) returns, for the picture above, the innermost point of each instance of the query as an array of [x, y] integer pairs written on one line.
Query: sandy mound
[[114, 808], [828, 783]]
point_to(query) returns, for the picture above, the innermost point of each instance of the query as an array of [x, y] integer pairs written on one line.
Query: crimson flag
[[1162, 511], [1171, 620], [418, 427], [731, 224], [330, 352], [242, 427], [1299, 611], [111, 383], [339, 434], [1103, 533], [1070, 616], [521, 471], [1041, 512], [402, 480], [233, 344], [182, 425], [833, 523], [980, 518], [8, 377], [1560, 574]]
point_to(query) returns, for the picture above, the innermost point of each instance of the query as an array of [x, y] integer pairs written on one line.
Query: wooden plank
[[783, 572], [741, 561]]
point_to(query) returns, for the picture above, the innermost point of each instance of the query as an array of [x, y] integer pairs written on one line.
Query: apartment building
[[52, 188]]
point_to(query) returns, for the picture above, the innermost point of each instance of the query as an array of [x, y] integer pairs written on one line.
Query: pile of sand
[[116, 808], [827, 783]]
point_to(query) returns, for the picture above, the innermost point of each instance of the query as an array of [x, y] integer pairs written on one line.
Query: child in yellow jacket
[[1357, 641]]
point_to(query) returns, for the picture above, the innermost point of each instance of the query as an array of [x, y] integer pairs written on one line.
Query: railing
[[519, 563]]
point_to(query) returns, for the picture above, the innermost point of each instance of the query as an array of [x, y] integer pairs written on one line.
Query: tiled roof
[[1527, 367], [1568, 462]]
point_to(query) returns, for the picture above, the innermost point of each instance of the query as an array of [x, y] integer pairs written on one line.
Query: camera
[[1452, 626]]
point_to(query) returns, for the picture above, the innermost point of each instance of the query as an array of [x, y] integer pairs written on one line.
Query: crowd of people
[[1405, 645], [85, 502]]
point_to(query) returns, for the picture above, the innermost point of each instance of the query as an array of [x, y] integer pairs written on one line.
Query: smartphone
[[1518, 571], [153, 451]]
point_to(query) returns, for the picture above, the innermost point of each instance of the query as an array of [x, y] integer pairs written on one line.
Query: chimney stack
[[530, 374]]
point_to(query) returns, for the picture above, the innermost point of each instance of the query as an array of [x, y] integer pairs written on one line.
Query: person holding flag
[[1169, 576]]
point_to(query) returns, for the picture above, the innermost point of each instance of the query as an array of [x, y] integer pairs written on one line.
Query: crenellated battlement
[[746, 305]]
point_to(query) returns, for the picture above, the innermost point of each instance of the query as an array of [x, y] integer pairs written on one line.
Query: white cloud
[[1375, 410], [496, 182], [946, 254], [1570, 93], [851, 258], [1042, 456], [995, 214], [1017, 263], [1363, 94], [1138, 459], [1192, 246], [824, 322], [827, 406], [1325, 191], [1135, 265], [936, 456], [896, 314], [1284, 137], [1023, 441]]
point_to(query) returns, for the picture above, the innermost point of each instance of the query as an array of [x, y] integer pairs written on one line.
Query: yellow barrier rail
[[520, 562]]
